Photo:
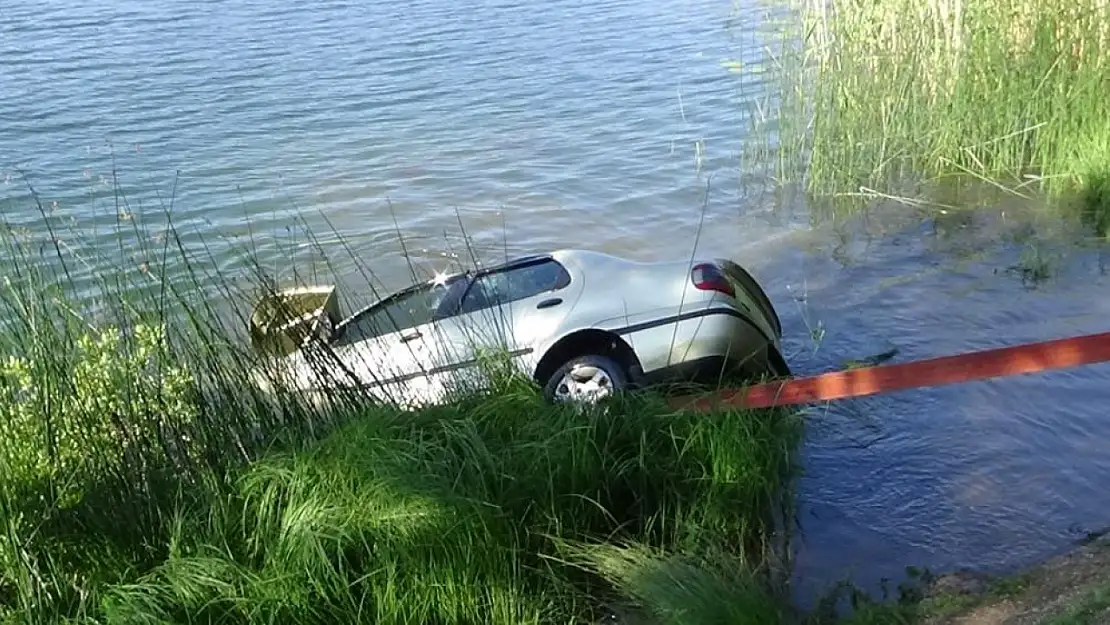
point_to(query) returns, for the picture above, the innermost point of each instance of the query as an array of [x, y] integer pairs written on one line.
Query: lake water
[[570, 123]]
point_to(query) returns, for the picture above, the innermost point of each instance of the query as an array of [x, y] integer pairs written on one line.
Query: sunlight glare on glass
[[440, 278]]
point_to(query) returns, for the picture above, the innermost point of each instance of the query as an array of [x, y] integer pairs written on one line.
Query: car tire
[[586, 375]]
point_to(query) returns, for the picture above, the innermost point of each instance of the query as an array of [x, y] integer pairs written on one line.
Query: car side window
[[402, 312], [514, 284]]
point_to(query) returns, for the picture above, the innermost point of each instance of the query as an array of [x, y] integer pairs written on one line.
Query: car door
[[513, 308], [390, 348]]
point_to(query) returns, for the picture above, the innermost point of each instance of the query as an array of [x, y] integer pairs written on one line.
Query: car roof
[[518, 261], [576, 255], [526, 259]]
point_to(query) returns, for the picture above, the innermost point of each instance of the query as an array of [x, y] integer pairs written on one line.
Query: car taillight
[[708, 277]]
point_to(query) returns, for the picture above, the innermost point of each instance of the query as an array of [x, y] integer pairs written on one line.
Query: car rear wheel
[[586, 379]]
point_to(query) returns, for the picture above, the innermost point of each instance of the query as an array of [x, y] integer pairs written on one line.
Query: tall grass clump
[[121, 396], [144, 480], [490, 510], [900, 91]]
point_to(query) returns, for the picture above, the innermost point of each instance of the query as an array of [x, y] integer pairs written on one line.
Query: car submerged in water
[[582, 324]]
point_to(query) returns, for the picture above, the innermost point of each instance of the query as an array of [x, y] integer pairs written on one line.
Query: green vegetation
[[145, 482], [882, 97], [1091, 606], [496, 509]]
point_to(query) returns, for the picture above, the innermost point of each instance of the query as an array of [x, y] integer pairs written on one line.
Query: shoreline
[[1070, 588]]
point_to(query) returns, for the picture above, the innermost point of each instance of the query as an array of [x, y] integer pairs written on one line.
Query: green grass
[[492, 510], [1093, 605], [144, 482], [889, 97]]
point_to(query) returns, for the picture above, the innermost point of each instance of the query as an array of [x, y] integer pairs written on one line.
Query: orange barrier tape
[[979, 365]]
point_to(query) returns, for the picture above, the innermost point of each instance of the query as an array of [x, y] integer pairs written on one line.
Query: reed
[[885, 95]]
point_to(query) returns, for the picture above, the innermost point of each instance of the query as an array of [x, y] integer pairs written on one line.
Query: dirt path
[[1072, 589]]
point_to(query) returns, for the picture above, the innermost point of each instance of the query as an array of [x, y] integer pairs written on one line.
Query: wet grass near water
[[145, 482]]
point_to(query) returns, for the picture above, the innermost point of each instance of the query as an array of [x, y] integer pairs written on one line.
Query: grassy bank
[[494, 510], [143, 482], [894, 92]]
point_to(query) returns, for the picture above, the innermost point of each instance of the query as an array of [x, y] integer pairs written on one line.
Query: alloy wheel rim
[[584, 384]]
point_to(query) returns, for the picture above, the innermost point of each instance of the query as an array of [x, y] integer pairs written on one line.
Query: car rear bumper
[[708, 342], [711, 371]]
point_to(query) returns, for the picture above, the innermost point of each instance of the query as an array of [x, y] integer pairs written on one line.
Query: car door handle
[[548, 303], [411, 336]]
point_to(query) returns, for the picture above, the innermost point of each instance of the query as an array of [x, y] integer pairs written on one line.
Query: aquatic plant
[[883, 95]]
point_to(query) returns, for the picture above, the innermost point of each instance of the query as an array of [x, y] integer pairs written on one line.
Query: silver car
[[582, 324]]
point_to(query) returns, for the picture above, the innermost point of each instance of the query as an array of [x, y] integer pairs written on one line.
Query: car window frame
[[565, 280], [456, 285]]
